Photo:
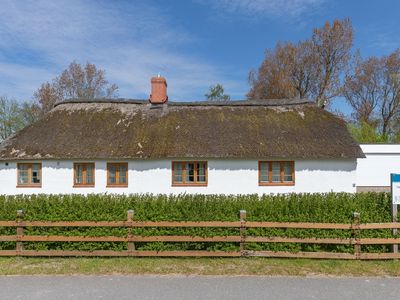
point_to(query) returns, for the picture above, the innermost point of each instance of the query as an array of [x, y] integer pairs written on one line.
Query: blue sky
[[194, 44]]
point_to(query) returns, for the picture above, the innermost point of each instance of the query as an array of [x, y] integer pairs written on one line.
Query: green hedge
[[332, 207]]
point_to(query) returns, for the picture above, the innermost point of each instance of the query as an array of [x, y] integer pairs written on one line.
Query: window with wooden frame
[[189, 173], [29, 175], [84, 174], [276, 172], [117, 174]]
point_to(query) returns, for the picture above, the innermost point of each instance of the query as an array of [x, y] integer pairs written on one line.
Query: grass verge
[[196, 266]]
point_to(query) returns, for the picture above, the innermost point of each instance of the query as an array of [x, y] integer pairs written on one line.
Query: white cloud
[[271, 8], [38, 39]]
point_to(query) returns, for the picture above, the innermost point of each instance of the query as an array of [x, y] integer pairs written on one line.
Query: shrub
[[331, 207]]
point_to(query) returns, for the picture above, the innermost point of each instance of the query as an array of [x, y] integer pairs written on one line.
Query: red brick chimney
[[158, 90]]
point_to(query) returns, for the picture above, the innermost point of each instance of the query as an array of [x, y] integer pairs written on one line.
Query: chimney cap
[[158, 78]]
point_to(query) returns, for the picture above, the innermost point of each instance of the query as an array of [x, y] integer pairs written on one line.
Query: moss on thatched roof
[[133, 129]]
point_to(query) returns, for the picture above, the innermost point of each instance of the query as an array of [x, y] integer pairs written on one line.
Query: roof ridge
[[258, 102]]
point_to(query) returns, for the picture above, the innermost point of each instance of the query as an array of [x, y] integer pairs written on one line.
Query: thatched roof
[[122, 129]]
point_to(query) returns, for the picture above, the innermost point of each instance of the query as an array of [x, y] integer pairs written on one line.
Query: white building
[[156, 146], [373, 172]]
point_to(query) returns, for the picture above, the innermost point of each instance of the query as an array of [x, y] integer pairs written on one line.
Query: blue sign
[[395, 188]]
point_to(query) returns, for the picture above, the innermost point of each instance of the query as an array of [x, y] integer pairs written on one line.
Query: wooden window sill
[[116, 186], [29, 186], [276, 183], [83, 186], [190, 184]]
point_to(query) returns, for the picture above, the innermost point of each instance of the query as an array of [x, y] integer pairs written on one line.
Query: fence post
[[131, 245], [20, 231], [242, 214], [356, 234]]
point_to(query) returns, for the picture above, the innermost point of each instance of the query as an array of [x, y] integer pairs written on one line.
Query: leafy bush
[[331, 207]]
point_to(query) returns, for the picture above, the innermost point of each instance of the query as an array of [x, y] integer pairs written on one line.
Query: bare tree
[[77, 81], [390, 92], [48, 94], [302, 68], [309, 69], [374, 88], [362, 88], [86, 82], [272, 80], [332, 45]]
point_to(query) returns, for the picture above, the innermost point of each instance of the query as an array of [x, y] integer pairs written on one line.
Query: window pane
[[201, 172], [264, 172], [89, 174], [287, 171], [36, 176], [178, 172], [276, 172], [190, 172], [122, 174], [23, 174], [112, 174], [79, 173]]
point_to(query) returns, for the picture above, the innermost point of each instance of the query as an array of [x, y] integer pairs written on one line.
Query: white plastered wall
[[381, 160], [224, 177]]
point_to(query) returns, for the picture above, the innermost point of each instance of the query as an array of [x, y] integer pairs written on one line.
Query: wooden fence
[[242, 238]]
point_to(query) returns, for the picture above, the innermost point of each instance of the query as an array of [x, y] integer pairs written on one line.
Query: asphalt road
[[195, 287]]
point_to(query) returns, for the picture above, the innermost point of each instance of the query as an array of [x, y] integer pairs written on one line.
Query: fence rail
[[242, 238]]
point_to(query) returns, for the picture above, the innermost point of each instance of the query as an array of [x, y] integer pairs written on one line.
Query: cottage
[[158, 146]]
